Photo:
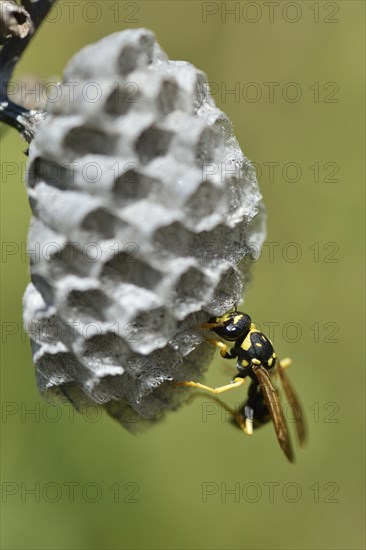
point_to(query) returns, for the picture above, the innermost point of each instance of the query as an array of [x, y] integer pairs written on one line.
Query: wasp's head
[[231, 326]]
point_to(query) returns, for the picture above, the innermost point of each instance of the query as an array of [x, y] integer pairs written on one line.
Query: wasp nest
[[143, 206]]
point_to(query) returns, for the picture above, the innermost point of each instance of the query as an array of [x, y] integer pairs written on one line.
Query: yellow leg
[[248, 426], [222, 347], [236, 384], [245, 425], [286, 363]]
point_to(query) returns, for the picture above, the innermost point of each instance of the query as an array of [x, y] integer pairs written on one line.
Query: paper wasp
[[256, 360]]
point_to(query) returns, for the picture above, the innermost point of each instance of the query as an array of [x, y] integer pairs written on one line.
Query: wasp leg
[[236, 384], [249, 408], [248, 422], [224, 351], [238, 418], [222, 403], [286, 363]]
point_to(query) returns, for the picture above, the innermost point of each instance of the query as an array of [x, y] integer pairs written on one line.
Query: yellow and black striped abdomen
[[256, 349]]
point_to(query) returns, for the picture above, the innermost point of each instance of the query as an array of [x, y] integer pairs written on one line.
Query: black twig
[[24, 120], [14, 20]]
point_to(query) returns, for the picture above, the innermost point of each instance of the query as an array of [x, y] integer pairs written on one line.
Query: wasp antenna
[[211, 325]]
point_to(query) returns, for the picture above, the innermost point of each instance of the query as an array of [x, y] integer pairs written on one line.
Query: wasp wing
[[294, 403], [274, 407]]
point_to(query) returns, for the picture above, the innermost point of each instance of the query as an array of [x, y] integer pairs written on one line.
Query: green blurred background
[[169, 488]]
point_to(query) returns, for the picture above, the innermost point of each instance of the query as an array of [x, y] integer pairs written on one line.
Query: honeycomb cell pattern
[[144, 207]]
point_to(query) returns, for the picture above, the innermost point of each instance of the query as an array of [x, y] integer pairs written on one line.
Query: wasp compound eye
[[232, 325]]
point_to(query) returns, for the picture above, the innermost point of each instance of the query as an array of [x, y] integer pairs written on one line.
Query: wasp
[[258, 362]]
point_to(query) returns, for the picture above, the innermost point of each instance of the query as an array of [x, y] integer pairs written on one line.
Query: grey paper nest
[[143, 206]]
